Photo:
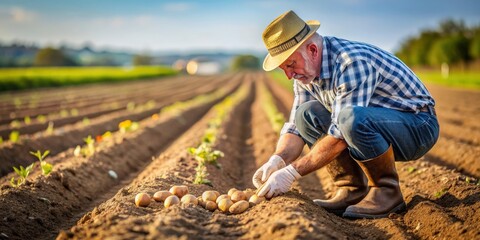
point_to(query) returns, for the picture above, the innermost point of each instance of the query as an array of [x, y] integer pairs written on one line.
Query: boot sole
[[399, 208]]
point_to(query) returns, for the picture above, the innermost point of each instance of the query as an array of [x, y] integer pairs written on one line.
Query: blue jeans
[[369, 131]]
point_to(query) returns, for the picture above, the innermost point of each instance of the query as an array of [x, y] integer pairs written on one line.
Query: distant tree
[[141, 60], [245, 62], [474, 49], [449, 50], [52, 57]]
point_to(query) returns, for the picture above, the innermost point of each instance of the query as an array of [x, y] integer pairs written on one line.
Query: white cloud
[[177, 7], [17, 14]]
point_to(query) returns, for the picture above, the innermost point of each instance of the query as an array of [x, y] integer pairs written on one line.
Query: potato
[[142, 200], [160, 196], [255, 199], [248, 193], [239, 207], [217, 193], [209, 196], [222, 197], [231, 191], [189, 199], [225, 204], [171, 200], [200, 201], [210, 206], [179, 191], [238, 196]]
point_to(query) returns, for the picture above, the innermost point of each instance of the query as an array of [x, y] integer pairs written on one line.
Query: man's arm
[[289, 147], [322, 153]]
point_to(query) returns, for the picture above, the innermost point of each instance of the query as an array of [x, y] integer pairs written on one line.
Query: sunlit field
[[23, 78]]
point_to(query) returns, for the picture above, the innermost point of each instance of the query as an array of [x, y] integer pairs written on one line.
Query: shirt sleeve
[[301, 96], [354, 87]]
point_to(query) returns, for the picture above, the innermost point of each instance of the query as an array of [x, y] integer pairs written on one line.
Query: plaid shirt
[[358, 74]]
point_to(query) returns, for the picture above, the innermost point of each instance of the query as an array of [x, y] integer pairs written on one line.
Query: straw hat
[[284, 35]]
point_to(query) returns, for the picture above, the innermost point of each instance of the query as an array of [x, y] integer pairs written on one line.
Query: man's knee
[[312, 115], [352, 121]]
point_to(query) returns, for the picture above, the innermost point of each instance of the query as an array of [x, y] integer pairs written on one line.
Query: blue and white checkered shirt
[[359, 74]]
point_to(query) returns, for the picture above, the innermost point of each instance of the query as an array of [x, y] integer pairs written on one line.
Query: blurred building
[[203, 66]]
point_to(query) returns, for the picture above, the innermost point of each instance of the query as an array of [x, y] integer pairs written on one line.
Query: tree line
[[452, 43]]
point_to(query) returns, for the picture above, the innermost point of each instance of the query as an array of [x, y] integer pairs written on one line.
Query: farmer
[[357, 107]]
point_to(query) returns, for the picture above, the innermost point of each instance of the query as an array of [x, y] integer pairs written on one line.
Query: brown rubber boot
[[384, 196], [350, 181]]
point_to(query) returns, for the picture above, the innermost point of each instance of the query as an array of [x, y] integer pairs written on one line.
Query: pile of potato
[[235, 201]]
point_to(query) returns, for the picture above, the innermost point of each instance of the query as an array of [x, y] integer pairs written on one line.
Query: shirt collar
[[325, 72]]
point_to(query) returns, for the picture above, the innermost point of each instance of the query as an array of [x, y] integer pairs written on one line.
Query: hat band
[[291, 42]]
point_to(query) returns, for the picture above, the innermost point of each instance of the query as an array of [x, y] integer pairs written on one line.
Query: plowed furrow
[[78, 181], [18, 154], [158, 175]]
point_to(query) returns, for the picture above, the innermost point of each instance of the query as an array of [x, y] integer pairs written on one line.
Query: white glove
[[273, 164], [279, 182]]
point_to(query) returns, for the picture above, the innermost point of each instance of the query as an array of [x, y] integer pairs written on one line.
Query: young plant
[[22, 175], [49, 130], [14, 136], [205, 154], [46, 167], [128, 126], [201, 175]]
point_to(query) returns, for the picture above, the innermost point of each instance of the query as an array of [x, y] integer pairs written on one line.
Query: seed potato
[[255, 199], [179, 191], [239, 207], [189, 199], [248, 193], [171, 200], [225, 204], [142, 200], [210, 206], [200, 201], [238, 196], [209, 196], [160, 196], [231, 191], [222, 197]]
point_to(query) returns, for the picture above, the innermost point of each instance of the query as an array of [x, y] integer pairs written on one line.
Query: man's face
[[300, 66]]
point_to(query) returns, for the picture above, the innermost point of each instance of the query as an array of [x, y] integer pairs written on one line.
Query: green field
[[469, 79], [25, 78]]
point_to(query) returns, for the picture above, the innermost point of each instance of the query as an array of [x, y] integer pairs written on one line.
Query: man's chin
[[304, 80]]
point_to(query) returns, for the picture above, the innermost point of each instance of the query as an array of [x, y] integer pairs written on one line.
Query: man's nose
[[289, 73]]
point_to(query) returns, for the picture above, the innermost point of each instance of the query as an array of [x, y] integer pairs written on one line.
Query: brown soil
[[80, 200]]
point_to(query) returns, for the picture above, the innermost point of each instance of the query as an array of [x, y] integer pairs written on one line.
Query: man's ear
[[312, 50]]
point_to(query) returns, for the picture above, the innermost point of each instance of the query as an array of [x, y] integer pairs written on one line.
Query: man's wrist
[[291, 169]]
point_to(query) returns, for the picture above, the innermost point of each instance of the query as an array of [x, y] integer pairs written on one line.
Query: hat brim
[[270, 62]]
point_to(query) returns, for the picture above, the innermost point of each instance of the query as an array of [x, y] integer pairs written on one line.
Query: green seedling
[[63, 113], [89, 149], [1, 139], [46, 167], [27, 120], [49, 130], [22, 175], [86, 121], [128, 126], [205, 154], [201, 175], [440, 193], [14, 136], [41, 118], [74, 112], [411, 169]]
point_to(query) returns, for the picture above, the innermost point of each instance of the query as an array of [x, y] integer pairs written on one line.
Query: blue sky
[[227, 25]]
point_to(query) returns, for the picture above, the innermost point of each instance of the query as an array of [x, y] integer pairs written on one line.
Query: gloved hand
[[261, 175], [279, 182]]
